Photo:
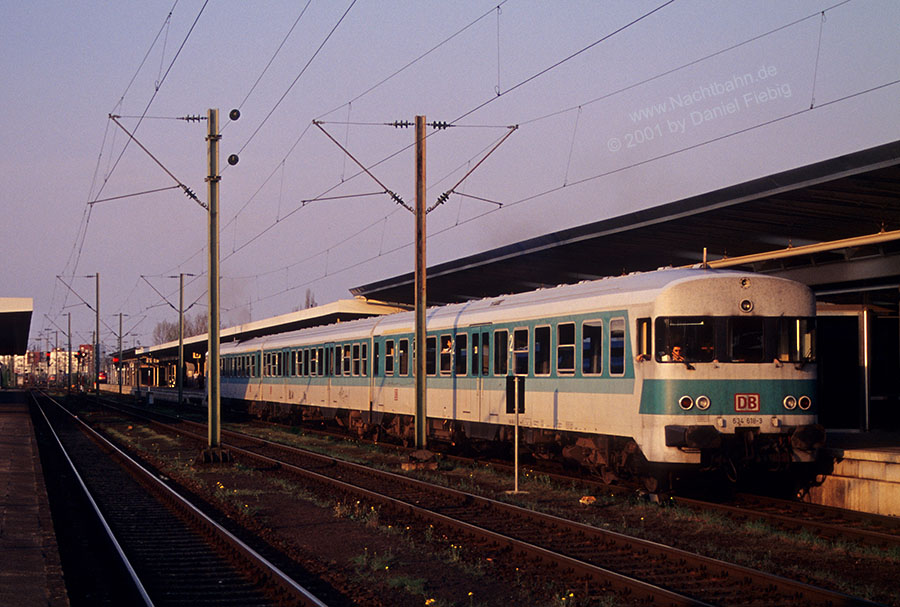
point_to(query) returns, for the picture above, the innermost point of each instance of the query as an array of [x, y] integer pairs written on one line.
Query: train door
[[493, 368], [480, 348], [465, 381]]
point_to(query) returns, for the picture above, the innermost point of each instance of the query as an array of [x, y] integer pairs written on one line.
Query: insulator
[[440, 125], [401, 124]]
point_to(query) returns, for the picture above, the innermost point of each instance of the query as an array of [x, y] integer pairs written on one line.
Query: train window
[[403, 351], [565, 348], [694, 335], [644, 338], [745, 343], [304, 363], [501, 352], [542, 351], [446, 354], [319, 362], [430, 355], [592, 347], [357, 363], [617, 346], [365, 360], [376, 356], [485, 353], [476, 359], [520, 351], [389, 357], [293, 364], [343, 366], [797, 339], [462, 350]]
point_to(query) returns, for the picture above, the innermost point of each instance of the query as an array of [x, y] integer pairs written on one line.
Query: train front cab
[[741, 391]]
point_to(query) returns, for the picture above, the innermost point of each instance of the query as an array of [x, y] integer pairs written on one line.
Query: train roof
[[620, 291]]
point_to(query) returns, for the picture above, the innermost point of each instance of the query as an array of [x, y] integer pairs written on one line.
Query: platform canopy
[[15, 323], [856, 197]]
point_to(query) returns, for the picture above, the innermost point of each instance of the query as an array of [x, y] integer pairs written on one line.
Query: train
[[631, 377]]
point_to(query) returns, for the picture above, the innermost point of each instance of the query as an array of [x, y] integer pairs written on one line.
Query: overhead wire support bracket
[[446, 195], [190, 194], [394, 196]]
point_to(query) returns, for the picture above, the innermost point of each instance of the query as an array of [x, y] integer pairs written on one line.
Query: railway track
[[601, 561], [821, 521], [174, 554], [834, 524]]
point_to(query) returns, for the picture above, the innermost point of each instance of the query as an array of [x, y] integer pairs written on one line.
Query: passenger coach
[[627, 375]]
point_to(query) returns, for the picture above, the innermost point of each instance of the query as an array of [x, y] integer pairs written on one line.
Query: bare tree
[[166, 331], [310, 299]]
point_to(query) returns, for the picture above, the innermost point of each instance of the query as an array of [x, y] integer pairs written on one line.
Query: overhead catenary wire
[[81, 233], [402, 69], [272, 58], [564, 60], [539, 194], [294, 82]]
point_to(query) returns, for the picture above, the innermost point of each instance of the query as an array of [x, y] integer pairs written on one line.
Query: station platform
[[30, 571], [865, 473]]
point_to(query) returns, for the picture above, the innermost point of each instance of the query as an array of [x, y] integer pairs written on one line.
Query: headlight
[[685, 402], [805, 402], [703, 402], [789, 402]]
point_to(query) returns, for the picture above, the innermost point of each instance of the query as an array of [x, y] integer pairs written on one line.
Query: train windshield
[[736, 339]]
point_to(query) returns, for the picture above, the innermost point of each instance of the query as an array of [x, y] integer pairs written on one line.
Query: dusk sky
[[620, 106]]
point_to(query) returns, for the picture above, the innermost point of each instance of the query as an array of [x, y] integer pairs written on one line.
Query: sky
[[619, 106]]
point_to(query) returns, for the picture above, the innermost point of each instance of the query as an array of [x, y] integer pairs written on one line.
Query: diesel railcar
[[628, 376]]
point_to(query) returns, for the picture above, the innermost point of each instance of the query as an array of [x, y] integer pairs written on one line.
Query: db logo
[[745, 403]]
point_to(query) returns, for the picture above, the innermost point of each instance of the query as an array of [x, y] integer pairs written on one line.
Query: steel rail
[[801, 515], [102, 519], [282, 579], [724, 569]]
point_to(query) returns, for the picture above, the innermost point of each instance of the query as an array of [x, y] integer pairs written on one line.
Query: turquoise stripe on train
[[660, 397]]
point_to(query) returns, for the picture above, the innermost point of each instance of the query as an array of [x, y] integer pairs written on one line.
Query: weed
[[411, 585], [372, 561]]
